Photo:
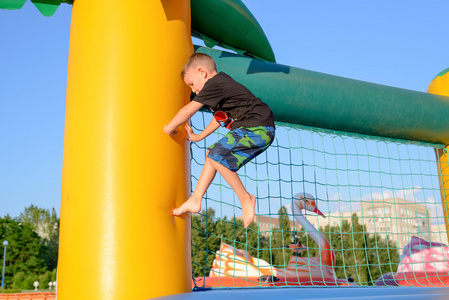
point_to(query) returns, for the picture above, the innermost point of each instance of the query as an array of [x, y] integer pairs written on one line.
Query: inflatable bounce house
[[334, 136]]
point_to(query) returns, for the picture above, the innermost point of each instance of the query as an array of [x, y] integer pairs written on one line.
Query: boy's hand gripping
[[192, 137]]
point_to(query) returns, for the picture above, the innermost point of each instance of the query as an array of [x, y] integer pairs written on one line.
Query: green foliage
[[382, 256], [44, 279], [362, 256], [43, 221], [11, 291], [18, 279], [27, 283], [274, 246], [32, 253], [208, 233], [24, 249], [204, 242]]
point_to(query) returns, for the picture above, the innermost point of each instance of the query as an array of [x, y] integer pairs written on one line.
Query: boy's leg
[[247, 200], [258, 136], [193, 204]]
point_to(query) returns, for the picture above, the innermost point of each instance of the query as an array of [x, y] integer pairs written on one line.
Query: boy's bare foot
[[248, 210], [190, 206]]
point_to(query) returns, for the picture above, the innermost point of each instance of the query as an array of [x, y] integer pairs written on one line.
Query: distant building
[[438, 233], [266, 224], [396, 218]]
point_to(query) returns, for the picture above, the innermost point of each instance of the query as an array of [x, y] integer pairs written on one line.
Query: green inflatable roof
[[313, 99], [230, 24]]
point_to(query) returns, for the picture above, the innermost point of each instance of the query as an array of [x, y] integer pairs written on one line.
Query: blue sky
[[397, 43]]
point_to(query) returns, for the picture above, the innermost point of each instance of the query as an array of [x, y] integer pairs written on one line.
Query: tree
[[45, 223], [208, 233], [382, 257], [24, 253], [274, 251], [362, 256], [349, 244], [32, 252], [204, 242]]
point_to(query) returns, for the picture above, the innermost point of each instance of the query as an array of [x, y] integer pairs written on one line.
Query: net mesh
[[377, 195]]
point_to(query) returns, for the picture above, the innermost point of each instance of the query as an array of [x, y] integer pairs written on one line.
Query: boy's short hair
[[199, 59]]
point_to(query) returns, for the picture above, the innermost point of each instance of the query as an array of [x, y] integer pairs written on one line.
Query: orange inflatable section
[[29, 296]]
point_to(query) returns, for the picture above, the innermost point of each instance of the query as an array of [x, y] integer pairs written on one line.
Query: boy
[[250, 120]]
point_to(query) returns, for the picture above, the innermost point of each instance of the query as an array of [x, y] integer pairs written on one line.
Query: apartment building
[[438, 233], [395, 218]]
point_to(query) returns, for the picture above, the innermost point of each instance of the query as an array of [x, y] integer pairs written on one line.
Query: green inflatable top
[[314, 99], [230, 24], [442, 73], [227, 23]]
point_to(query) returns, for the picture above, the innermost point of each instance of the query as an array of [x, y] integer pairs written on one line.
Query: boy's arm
[[213, 125], [182, 116]]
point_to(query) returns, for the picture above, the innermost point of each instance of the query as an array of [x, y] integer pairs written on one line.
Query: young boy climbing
[[236, 108]]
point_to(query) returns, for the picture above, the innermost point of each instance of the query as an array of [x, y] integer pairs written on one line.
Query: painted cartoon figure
[[235, 267]]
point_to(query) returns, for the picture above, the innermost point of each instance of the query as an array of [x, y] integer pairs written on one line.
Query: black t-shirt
[[221, 92]]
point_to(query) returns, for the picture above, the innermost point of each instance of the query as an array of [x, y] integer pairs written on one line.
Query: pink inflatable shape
[[423, 256], [422, 263]]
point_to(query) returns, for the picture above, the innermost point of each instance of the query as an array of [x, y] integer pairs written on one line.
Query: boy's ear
[[202, 71]]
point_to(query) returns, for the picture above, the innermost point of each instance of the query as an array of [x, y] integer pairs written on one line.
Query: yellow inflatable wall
[[122, 176]]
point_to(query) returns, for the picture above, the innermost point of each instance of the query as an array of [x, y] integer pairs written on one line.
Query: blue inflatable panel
[[371, 293]]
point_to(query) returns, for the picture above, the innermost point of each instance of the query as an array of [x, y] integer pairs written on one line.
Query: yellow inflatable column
[[440, 86], [122, 176]]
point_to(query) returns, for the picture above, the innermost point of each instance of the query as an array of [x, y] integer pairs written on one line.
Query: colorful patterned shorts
[[241, 145]]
